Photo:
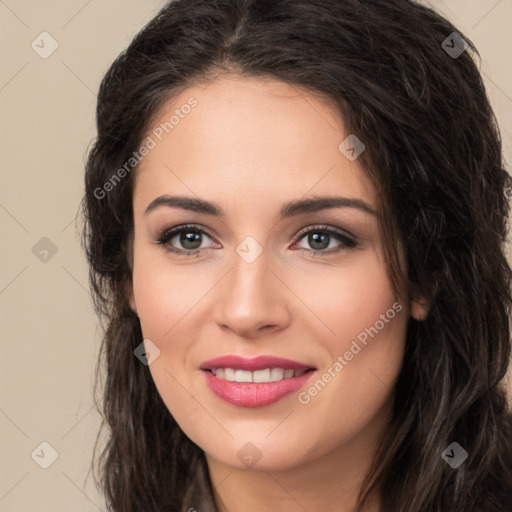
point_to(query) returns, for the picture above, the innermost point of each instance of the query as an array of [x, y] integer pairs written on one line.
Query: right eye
[[189, 236]]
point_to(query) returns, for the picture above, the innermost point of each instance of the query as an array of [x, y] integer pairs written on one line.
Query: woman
[[295, 214]]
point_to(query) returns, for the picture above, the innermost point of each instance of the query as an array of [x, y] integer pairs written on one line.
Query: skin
[[246, 140]]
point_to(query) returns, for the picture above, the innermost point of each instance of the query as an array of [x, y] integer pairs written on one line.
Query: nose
[[253, 299]]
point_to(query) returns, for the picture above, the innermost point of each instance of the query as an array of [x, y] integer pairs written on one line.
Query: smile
[[254, 382]]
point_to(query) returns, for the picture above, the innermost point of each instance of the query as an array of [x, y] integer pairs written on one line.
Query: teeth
[[276, 374], [243, 376], [267, 375], [229, 374], [261, 375]]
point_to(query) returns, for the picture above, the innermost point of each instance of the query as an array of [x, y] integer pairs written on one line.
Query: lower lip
[[254, 394]]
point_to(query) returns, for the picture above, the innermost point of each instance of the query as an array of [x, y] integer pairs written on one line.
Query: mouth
[[255, 382]]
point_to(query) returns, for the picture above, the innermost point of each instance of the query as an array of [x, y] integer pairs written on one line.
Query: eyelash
[[164, 238]]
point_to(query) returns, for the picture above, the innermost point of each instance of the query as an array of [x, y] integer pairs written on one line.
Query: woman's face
[[260, 273]]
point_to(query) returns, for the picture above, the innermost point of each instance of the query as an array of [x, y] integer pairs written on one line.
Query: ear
[[132, 302], [129, 284], [130, 296], [419, 308]]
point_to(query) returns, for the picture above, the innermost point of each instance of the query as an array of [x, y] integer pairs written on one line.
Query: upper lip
[[256, 363]]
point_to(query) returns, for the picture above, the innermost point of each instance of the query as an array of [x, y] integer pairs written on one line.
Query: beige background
[[49, 332]]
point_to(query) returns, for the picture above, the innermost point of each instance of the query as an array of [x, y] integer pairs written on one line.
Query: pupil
[[190, 237], [315, 243]]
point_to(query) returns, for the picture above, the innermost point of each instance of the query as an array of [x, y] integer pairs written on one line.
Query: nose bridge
[[249, 284], [249, 278], [251, 297]]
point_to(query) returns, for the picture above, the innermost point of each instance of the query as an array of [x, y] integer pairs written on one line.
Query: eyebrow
[[288, 209]]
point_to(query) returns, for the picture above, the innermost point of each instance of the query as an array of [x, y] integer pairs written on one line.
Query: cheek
[[344, 300], [364, 378], [165, 298], [166, 295], [171, 306], [364, 328]]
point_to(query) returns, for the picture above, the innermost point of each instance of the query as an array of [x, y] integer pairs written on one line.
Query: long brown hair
[[434, 152]]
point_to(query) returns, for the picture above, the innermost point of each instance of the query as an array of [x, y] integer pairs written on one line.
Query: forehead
[[249, 136]]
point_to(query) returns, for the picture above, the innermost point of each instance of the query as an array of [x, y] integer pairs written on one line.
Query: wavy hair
[[434, 152]]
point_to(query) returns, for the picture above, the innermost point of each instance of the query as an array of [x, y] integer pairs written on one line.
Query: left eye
[[320, 238]]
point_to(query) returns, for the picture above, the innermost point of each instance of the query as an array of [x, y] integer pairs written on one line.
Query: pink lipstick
[[255, 382]]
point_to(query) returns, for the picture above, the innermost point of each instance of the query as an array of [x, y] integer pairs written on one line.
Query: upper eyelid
[[326, 227], [181, 227]]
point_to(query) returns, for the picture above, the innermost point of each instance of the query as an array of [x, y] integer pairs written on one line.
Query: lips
[[254, 382]]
